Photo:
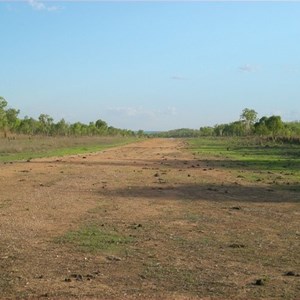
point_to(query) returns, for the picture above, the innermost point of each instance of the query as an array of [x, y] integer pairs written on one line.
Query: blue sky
[[151, 65]]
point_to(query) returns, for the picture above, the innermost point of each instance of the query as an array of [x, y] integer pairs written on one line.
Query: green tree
[[219, 129], [275, 125], [13, 121], [249, 117], [261, 128], [3, 117], [77, 128], [61, 127], [46, 123], [102, 126], [28, 126], [140, 133], [206, 131], [234, 129]]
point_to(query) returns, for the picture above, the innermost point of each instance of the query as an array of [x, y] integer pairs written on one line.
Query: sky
[[151, 65]]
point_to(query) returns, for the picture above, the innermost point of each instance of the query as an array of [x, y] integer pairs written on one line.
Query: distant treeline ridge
[[45, 125], [248, 125]]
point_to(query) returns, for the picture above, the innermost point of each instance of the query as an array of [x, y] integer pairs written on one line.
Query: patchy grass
[[93, 238], [24, 148], [252, 160], [138, 238]]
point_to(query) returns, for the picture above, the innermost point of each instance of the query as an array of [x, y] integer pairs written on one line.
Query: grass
[[251, 159], [24, 148], [93, 238]]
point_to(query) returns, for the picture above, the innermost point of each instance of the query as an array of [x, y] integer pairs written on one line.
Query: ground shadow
[[209, 192]]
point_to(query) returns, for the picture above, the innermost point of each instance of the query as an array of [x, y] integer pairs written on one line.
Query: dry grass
[[147, 220], [25, 147]]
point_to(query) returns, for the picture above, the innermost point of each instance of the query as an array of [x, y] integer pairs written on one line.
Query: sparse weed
[[24, 148], [94, 239]]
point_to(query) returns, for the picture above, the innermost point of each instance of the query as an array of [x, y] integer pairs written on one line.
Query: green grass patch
[[24, 148], [257, 160], [95, 239]]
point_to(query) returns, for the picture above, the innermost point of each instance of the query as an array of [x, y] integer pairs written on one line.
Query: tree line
[[45, 125], [248, 125]]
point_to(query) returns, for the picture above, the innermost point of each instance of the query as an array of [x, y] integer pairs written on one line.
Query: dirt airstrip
[[148, 220]]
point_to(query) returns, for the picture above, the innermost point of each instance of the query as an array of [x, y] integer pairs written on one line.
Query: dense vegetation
[[45, 125], [248, 125]]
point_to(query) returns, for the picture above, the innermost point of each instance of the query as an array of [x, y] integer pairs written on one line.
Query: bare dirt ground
[[176, 228]]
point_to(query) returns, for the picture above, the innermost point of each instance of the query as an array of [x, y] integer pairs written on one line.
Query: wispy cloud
[[247, 68], [38, 5], [290, 68], [177, 77], [142, 112]]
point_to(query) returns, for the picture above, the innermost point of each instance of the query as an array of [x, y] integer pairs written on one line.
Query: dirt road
[[144, 221]]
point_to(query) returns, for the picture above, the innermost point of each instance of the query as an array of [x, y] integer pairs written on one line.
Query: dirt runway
[[173, 227]]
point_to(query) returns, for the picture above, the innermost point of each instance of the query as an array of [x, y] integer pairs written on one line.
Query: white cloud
[[142, 112], [177, 77], [247, 68], [38, 5]]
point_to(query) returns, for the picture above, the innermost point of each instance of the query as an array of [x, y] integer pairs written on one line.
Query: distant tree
[[275, 125], [206, 131], [234, 129], [13, 121], [29, 126], [219, 129], [112, 130], [261, 127], [76, 128], [249, 117], [92, 129], [140, 133], [61, 128], [3, 117], [293, 127], [101, 126], [46, 123]]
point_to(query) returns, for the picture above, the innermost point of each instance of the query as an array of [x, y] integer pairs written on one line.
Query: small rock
[[68, 280], [290, 273], [113, 258], [136, 226], [260, 282], [236, 245], [236, 208], [46, 295], [79, 277]]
